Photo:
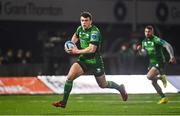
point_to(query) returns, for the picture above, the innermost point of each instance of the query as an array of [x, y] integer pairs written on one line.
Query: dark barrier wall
[[21, 69], [113, 66]]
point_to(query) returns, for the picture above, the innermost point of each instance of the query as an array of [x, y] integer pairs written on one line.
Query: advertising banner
[[87, 84], [135, 84], [62, 10], [175, 81], [113, 11], [22, 85]]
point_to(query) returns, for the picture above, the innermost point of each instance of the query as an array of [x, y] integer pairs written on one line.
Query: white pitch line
[[115, 101]]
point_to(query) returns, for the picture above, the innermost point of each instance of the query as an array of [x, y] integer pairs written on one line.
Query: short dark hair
[[150, 27], [86, 14]]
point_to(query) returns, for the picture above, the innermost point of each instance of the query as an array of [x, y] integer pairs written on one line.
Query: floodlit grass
[[89, 104]]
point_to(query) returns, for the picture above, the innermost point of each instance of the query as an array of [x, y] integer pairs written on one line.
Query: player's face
[[148, 33], [85, 22]]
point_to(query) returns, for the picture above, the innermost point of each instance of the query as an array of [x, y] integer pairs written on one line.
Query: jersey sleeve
[[77, 31], [159, 41], [95, 37]]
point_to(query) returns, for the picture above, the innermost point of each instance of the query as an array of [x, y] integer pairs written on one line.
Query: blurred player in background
[[89, 59], [153, 46]]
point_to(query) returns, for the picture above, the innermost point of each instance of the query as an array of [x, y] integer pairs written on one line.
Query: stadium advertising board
[[87, 84], [22, 85], [104, 11], [166, 12], [56, 10], [134, 84]]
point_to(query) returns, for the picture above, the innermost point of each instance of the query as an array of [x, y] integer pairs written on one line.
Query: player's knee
[[103, 85], [70, 78], [149, 77]]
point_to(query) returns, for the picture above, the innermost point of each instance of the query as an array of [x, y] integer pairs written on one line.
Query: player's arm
[[92, 46], [90, 49], [74, 38], [170, 51], [141, 50]]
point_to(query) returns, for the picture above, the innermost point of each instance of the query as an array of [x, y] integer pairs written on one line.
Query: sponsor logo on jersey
[[93, 37], [83, 35]]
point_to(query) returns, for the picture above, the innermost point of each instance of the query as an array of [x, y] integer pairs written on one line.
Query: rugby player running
[[89, 59], [154, 45]]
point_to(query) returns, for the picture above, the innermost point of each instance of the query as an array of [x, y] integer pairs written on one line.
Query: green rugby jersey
[[154, 48], [91, 35]]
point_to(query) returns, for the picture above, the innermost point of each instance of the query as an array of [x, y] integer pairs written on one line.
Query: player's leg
[[164, 80], [163, 99], [74, 72], [152, 75], [159, 73], [162, 75], [101, 80]]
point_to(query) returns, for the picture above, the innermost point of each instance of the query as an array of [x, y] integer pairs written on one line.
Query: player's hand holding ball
[[141, 50], [70, 47]]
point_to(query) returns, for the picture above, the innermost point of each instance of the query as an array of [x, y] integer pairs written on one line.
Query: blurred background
[[33, 32]]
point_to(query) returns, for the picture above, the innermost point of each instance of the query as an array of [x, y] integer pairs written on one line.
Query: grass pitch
[[89, 104]]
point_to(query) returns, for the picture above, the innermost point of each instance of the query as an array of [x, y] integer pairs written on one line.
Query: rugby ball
[[143, 52], [68, 45]]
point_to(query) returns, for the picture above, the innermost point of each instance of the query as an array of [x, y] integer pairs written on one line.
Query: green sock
[[113, 85], [67, 90]]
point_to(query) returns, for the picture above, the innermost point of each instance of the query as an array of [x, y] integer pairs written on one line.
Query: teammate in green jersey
[[153, 46], [89, 59]]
